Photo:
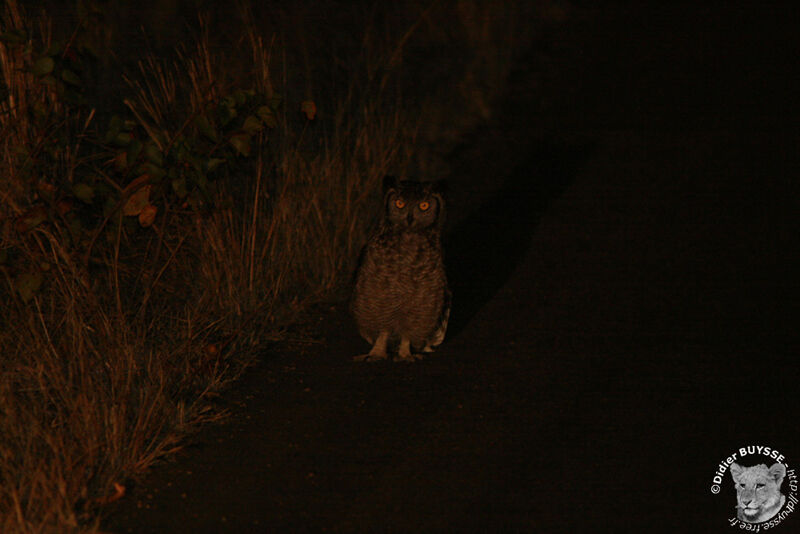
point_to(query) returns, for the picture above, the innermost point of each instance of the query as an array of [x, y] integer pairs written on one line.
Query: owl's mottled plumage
[[401, 292]]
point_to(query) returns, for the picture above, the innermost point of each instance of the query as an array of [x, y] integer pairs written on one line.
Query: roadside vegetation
[[155, 238]]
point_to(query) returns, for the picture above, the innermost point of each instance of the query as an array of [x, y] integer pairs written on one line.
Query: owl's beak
[[409, 220]]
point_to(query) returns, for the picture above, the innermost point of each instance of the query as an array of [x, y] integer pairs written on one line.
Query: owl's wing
[[441, 327]]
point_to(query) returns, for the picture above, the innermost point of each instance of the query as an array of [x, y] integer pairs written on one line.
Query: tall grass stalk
[[114, 356]]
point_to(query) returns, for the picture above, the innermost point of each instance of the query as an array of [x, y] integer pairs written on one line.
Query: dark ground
[[625, 313]]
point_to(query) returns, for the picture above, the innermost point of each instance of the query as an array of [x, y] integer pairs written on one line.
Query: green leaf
[[275, 101], [43, 66], [123, 139], [213, 163], [252, 125], [205, 128], [179, 186], [229, 101], [27, 284], [241, 142], [134, 149], [268, 116], [153, 154], [70, 77], [84, 192], [156, 173], [226, 114], [114, 128]]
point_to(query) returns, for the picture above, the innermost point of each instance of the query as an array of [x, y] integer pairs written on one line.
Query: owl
[[401, 295]]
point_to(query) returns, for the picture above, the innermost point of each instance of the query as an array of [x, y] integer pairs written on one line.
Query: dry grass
[[109, 363]]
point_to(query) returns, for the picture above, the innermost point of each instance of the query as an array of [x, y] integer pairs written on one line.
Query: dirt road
[[625, 314]]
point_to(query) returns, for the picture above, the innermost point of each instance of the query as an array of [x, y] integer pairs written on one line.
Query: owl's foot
[[410, 357], [378, 351], [404, 353], [369, 357]]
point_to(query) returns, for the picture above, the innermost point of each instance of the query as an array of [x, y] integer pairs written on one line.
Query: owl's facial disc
[[413, 208]]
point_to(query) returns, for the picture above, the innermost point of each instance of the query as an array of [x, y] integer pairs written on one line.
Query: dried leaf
[[46, 189], [148, 215], [31, 219], [119, 492], [121, 160], [138, 201], [64, 206], [135, 184]]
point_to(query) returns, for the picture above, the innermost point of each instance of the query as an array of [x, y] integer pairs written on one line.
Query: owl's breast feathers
[[415, 256], [401, 285]]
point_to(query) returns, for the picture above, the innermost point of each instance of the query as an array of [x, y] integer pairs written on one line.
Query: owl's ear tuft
[[389, 183], [390, 186], [439, 187]]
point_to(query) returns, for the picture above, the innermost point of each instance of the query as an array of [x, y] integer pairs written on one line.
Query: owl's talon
[[412, 357], [404, 353], [378, 351], [369, 357]]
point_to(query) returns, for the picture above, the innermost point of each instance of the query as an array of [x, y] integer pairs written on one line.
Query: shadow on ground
[[490, 242]]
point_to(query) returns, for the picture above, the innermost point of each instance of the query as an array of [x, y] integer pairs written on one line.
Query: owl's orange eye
[[400, 203], [424, 206]]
